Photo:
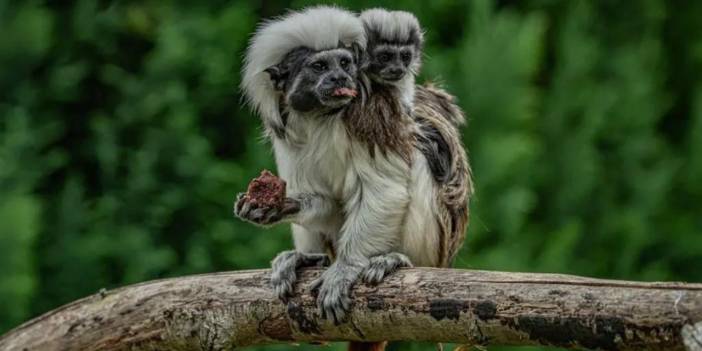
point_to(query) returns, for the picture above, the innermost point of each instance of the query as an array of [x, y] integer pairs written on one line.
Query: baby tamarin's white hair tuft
[[317, 28], [396, 26]]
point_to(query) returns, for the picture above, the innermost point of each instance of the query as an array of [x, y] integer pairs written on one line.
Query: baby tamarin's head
[[395, 42]]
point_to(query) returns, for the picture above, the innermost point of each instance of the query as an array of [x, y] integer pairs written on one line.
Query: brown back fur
[[380, 121], [438, 109]]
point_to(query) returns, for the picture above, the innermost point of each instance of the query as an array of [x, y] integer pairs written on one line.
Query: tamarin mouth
[[345, 92]]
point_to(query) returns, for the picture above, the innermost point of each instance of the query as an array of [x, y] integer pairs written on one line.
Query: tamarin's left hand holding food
[[265, 201]]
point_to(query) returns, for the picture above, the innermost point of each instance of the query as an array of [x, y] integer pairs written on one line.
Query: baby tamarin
[[394, 53], [394, 49], [437, 212], [368, 181]]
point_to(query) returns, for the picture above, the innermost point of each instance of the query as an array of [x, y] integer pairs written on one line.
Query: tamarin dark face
[[316, 80], [389, 63]]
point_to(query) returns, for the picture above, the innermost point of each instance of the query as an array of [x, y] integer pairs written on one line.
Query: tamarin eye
[[406, 56], [319, 66], [344, 63], [384, 57]]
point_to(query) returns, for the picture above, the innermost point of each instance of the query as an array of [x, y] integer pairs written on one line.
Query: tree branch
[[225, 310]]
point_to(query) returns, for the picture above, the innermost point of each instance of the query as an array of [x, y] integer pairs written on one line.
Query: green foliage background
[[123, 139]]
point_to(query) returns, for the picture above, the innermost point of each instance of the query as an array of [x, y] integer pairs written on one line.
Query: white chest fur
[[314, 157]]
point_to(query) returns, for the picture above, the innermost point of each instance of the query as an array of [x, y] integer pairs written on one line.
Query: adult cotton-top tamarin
[[375, 179]]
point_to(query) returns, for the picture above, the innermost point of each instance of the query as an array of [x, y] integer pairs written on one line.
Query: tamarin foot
[[333, 290], [383, 265], [285, 265]]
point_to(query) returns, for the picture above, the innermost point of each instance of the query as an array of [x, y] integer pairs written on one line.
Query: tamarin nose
[[396, 71], [338, 78]]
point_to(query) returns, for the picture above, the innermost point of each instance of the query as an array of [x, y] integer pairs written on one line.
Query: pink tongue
[[344, 92]]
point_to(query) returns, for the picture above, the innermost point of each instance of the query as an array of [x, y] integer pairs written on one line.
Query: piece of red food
[[267, 191], [345, 92]]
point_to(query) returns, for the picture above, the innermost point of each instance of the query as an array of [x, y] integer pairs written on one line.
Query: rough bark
[[230, 310]]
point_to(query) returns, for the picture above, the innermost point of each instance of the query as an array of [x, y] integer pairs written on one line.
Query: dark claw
[[383, 265], [245, 209], [257, 214], [290, 206], [271, 217], [284, 270], [314, 287], [333, 291], [239, 203]]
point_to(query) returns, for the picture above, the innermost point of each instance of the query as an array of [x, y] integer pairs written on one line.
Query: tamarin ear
[[280, 73], [277, 75], [416, 38], [273, 71]]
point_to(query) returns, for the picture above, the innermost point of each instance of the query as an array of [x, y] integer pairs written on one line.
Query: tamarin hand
[[248, 211]]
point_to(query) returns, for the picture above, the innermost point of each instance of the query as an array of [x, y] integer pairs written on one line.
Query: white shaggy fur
[[392, 25], [356, 202], [421, 232], [317, 28], [351, 203]]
